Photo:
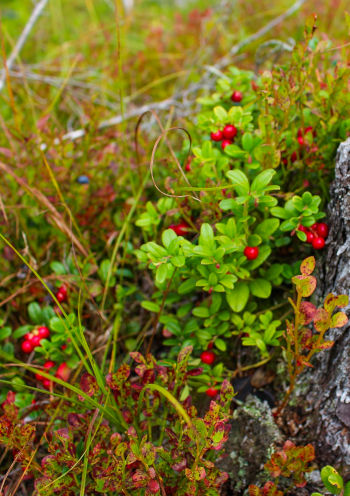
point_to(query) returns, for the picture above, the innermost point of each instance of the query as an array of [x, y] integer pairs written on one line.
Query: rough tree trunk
[[328, 394]]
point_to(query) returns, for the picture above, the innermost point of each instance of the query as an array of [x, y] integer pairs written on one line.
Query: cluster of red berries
[[62, 372], [251, 252], [32, 339], [180, 229], [316, 234], [61, 294], [208, 357], [226, 135]]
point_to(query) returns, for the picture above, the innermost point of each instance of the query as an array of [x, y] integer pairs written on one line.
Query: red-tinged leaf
[[309, 453], [88, 384], [307, 312], [332, 301], [288, 445], [307, 266], [305, 285], [303, 362], [326, 345], [179, 466], [254, 491], [153, 486], [322, 321], [137, 357], [339, 319]]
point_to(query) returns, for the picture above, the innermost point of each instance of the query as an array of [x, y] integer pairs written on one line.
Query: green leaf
[[262, 180], [247, 142], [220, 344], [240, 181], [267, 227], [104, 269], [5, 332], [202, 312], [58, 268], [178, 261], [279, 212], [161, 273], [220, 113], [34, 312], [167, 237], [332, 480], [238, 297], [21, 331], [264, 253], [347, 489], [206, 237], [150, 306], [187, 286], [260, 288]]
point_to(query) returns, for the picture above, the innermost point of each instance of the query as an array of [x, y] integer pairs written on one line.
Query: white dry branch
[[23, 38]]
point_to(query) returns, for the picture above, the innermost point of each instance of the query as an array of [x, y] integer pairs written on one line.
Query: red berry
[[294, 157], [236, 96], [318, 243], [217, 266], [322, 229], [301, 141], [29, 336], [225, 143], [188, 167], [49, 364], [63, 371], [62, 289], [229, 132], [43, 332], [211, 392], [61, 297], [251, 252], [36, 341], [180, 229], [27, 346], [208, 357], [310, 237], [47, 384], [216, 135], [302, 228], [210, 345], [39, 377]]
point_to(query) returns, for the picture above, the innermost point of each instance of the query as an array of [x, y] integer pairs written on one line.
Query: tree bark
[[328, 397]]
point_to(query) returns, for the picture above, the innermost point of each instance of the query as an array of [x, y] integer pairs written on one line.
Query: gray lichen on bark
[[328, 395]]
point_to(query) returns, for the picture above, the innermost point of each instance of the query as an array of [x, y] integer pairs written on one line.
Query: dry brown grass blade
[[53, 212]]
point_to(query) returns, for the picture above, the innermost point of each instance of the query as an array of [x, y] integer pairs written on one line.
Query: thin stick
[[23, 38]]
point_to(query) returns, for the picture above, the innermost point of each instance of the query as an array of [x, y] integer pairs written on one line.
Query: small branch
[[23, 38]]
